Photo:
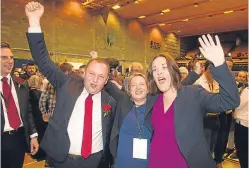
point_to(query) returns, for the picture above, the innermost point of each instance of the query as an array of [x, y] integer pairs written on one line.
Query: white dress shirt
[[13, 91], [14, 94], [76, 124], [241, 112]]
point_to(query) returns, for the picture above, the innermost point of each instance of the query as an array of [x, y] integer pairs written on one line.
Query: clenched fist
[[34, 11]]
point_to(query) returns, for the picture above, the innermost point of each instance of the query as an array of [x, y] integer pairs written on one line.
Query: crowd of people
[[92, 117]]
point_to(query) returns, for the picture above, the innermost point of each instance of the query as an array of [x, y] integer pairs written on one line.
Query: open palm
[[211, 51]]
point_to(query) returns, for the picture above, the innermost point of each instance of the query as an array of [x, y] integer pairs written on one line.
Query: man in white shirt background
[[17, 125], [241, 128]]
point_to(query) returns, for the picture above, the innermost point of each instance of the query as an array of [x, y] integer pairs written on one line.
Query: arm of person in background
[[43, 104], [94, 54], [114, 91], [193, 75], [116, 83], [228, 96], [39, 52]]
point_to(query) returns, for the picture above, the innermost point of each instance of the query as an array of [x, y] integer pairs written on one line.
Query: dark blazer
[[191, 106], [124, 106], [22, 91], [56, 141]]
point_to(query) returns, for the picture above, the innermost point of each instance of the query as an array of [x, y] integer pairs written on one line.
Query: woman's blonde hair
[[128, 86], [35, 82]]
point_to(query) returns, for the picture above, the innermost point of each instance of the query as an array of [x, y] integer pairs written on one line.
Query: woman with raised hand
[[177, 119], [132, 130]]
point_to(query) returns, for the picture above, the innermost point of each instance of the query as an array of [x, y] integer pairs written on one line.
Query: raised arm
[[39, 52], [114, 91], [193, 75], [228, 96], [191, 78]]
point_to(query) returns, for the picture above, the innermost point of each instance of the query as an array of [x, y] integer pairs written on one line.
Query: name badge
[[140, 148]]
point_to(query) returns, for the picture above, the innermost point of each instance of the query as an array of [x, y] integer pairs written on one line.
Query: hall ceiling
[[184, 17]]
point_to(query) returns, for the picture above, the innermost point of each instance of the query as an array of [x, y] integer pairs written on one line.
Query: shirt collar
[[85, 92], [8, 76]]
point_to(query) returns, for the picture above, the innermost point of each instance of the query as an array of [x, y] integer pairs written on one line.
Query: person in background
[[31, 70], [241, 127], [15, 73], [211, 120], [134, 68], [82, 70], [229, 63], [225, 120], [184, 72], [230, 122], [17, 125], [44, 81], [178, 140], [241, 77], [35, 83], [114, 65]]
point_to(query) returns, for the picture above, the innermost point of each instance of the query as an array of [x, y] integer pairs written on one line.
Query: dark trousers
[[222, 138], [241, 144], [75, 161], [211, 137], [13, 147]]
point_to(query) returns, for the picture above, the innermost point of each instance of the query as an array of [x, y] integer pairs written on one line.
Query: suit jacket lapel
[[151, 100], [105, 119], [2, 117], [18, 93]]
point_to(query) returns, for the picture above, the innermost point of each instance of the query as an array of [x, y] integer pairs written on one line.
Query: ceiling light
[[136, 2], [161, 13], [178, 31], [166, 10], [116, 7], [161, 24], [185, 20], [227, 12], [141, 17], [196, 5]]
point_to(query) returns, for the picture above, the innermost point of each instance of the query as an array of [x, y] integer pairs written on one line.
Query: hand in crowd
[[34, 11], [94, 54], [45, 117], [34, 146], [211, 51]]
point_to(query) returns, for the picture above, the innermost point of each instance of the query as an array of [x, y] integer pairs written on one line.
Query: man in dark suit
[[78, 133], [17, 124]]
